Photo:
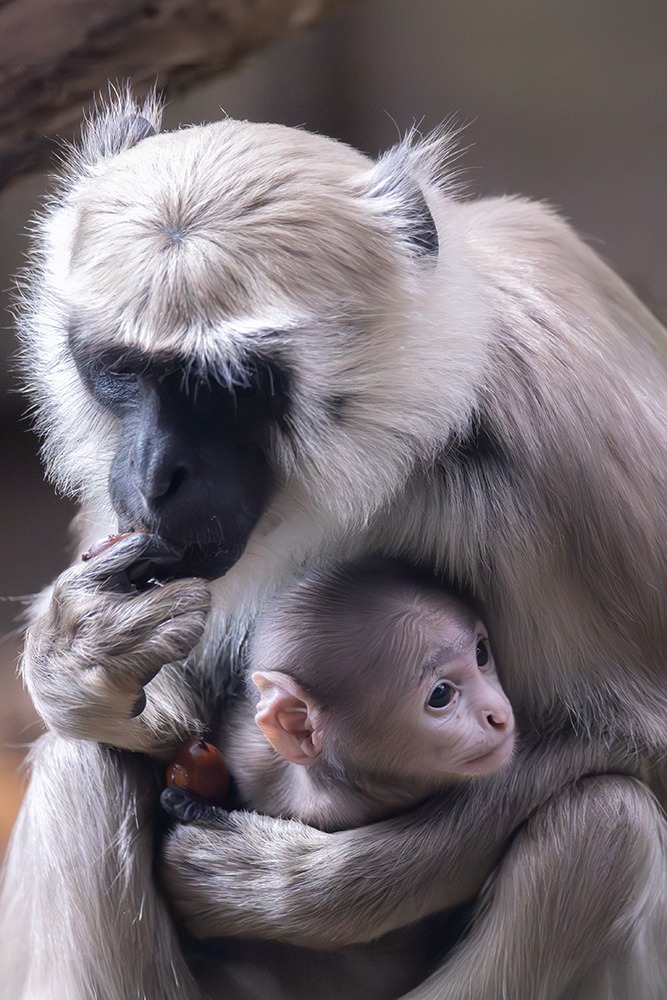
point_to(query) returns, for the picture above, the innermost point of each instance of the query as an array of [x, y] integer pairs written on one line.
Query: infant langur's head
[[379, 670]]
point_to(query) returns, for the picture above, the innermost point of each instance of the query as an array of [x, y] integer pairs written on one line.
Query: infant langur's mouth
[[501, 752], [492, 759]]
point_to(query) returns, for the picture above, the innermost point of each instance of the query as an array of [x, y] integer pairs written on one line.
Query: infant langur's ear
[[288, 717]]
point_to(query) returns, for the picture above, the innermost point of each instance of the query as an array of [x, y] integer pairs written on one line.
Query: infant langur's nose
[[499, 714]]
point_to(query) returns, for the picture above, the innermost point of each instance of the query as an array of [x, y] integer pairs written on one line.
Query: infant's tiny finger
[[183, 804]]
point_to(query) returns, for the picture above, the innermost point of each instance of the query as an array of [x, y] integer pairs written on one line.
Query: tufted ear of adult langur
[[256, 349]]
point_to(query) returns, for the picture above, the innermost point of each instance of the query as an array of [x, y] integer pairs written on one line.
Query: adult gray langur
[[258, 349]]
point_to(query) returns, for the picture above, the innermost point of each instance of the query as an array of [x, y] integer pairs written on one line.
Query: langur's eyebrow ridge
[[444, 653]]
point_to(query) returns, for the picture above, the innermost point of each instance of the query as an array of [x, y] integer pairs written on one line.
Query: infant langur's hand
[[101, 640], [188, 807]]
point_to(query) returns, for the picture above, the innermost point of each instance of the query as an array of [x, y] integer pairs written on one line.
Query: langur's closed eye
[[441, 696], [111, 388]]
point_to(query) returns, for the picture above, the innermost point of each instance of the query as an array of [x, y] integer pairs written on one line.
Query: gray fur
[[505, 417]]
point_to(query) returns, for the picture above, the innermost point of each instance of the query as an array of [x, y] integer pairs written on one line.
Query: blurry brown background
[[565, 102]]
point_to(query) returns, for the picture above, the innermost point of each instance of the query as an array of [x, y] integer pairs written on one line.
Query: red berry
[[200, 767]]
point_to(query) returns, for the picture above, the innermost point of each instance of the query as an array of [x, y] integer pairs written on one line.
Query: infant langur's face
[[449, 718]]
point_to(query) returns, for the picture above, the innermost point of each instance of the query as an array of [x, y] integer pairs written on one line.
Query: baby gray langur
[[369, 687], [407, 700], [380, 685]]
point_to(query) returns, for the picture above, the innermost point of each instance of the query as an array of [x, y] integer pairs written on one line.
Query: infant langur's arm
[[247, 875], [244, 874]]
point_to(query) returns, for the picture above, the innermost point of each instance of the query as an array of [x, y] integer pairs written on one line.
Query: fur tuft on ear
[[402, 177], [397, 186], [114, 124]]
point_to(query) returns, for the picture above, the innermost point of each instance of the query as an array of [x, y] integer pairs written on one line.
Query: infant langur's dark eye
[[482, 653], [441, 695]]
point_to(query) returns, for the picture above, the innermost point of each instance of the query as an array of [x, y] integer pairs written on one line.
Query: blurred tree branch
[[54, 54]]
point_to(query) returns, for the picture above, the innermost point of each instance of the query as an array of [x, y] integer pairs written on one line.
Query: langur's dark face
[[192, 461]]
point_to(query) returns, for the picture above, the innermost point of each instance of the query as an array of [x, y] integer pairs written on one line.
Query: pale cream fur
[[504, 416]]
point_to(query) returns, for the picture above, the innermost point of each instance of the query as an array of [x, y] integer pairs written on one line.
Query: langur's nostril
[[178, 478], [164, 483]]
